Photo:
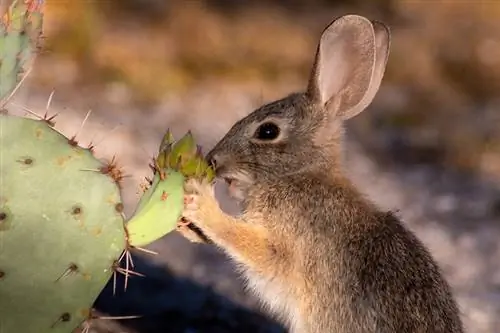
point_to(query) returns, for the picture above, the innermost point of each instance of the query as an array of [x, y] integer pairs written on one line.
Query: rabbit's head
[[302, 132]]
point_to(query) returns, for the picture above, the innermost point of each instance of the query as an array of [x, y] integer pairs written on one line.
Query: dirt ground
[[193, 288]]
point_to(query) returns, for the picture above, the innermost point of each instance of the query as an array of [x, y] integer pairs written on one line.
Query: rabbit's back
[[395, 282]]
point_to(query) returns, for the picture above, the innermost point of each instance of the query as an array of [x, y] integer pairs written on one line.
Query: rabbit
[[319, 255]]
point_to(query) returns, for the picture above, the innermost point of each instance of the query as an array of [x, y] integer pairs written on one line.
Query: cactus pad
[[61, 225], [61, 228], [161, 205], [20, 31]]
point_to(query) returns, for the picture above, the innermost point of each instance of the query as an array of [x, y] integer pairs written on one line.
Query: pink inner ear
[[332, 72]]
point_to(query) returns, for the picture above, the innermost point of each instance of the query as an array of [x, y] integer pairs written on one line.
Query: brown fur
[[318, 254]]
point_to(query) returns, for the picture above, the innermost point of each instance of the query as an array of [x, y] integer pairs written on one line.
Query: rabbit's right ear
[[350, 62]]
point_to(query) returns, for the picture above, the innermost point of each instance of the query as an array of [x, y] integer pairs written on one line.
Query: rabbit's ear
[[350, 63]]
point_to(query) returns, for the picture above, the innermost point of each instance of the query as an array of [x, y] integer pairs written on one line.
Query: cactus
[[63, 233], [20, 37]]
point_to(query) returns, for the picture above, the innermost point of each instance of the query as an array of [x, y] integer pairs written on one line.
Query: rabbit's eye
[[267, 131]]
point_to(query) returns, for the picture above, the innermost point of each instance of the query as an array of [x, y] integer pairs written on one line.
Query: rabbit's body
[[361, 272], [319, 255]]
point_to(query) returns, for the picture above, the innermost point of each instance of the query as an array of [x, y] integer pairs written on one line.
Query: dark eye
[[267, 131]]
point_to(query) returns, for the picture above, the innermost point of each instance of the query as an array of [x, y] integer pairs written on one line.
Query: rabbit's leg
[[247, 242]]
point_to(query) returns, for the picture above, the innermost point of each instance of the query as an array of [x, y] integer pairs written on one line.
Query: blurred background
[[429, 145]]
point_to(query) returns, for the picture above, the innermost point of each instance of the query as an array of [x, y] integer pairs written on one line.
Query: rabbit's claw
[[188, 233]]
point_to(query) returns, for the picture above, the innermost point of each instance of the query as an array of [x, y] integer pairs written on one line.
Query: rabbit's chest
[[274, 296]]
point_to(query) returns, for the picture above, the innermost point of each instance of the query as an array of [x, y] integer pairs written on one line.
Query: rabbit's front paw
[[200, 205], [184, 228]]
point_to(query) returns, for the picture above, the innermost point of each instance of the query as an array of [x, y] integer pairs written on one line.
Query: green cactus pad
[[159, 212], [161, 205], [61, 228], [20, 33]]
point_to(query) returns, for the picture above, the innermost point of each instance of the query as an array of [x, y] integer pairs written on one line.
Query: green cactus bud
[[164, 151], [184, 150]]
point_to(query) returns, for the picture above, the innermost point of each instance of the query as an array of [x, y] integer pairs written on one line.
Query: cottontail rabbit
[[320, 256]]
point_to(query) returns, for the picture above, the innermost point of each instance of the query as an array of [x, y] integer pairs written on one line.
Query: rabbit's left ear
[[350, 62]]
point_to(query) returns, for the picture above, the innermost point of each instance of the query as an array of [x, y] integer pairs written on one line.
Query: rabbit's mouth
[[230, 181], [232, 184], [237, 181], [236, 187]]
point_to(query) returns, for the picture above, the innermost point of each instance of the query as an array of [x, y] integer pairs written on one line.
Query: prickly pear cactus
[[63, 234], [20, 32], [62, 231]]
